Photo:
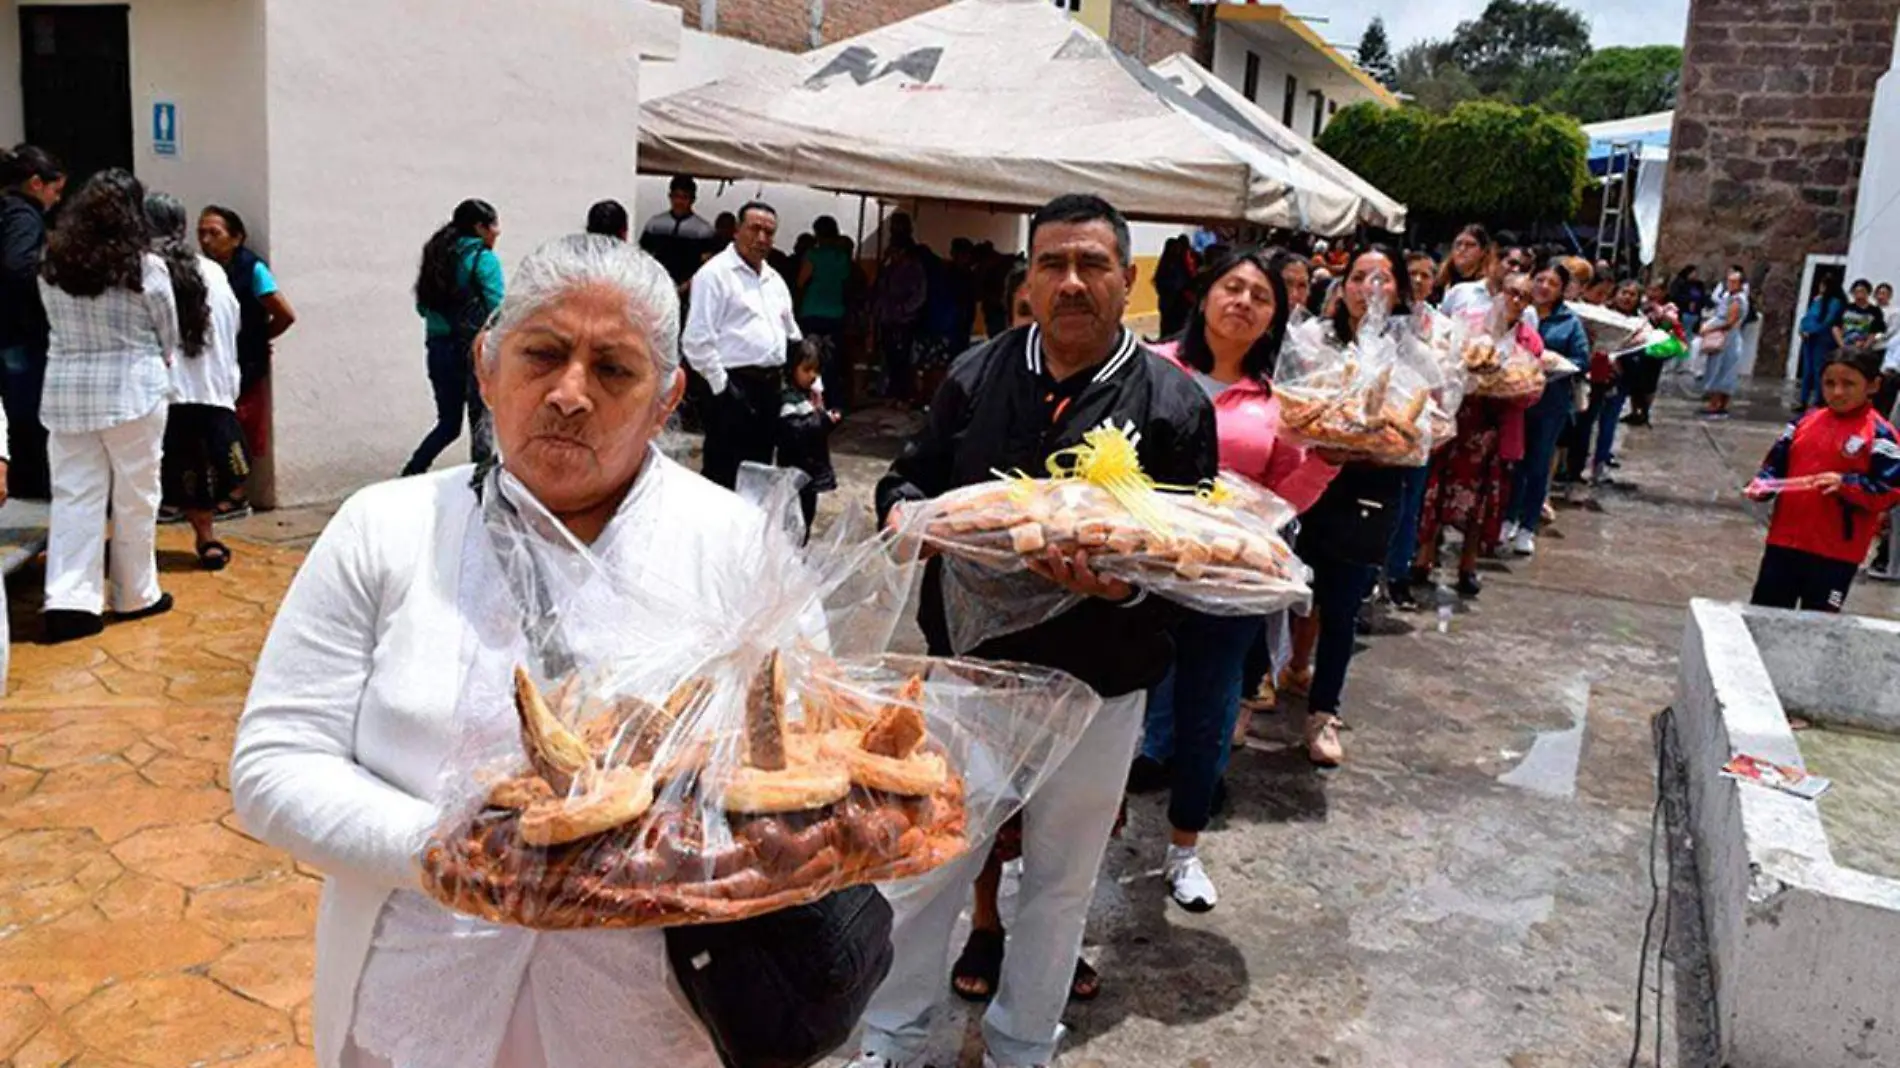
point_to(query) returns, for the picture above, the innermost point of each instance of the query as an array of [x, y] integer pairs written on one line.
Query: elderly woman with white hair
[[388, 641]]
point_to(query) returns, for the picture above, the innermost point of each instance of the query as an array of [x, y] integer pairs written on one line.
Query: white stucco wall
[[1232, 42], [383, 116], [1875, 251], [207, 57]]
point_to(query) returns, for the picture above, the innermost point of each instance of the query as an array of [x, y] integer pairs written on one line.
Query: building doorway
[[1817, 268], [76, 85]]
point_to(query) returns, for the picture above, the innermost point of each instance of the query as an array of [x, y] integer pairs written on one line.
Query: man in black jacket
[[1009, 404], [31, 183]]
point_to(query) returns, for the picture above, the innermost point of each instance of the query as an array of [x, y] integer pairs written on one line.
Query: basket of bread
[[1215, 547], [658, 760]]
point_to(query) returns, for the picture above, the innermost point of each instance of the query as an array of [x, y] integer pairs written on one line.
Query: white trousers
[[118, 464], [1066, 824]]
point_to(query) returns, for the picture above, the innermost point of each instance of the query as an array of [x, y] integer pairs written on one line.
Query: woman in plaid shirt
[[113, 319]]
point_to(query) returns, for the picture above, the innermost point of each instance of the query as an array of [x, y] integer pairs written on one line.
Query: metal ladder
[[1616, 199]]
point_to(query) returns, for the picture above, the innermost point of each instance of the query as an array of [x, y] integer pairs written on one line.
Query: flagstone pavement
[[138, 924]]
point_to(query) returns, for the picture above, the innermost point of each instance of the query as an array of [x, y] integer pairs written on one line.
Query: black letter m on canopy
[[862, 65]]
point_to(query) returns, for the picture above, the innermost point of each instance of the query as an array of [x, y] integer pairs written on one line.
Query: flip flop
[[981, 961], [214, 555]]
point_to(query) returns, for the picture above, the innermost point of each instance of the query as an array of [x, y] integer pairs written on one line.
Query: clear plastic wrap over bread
[[709, 754], [1485, 343], [1450, 382], [1215, 548], [1371, 399]]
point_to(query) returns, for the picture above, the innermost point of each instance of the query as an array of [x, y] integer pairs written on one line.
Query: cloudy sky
[[1612, 22]]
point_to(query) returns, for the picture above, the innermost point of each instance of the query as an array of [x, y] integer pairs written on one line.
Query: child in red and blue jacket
[[1844, 461]]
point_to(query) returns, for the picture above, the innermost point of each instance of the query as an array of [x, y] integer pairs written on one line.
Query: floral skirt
[[1465, 488]]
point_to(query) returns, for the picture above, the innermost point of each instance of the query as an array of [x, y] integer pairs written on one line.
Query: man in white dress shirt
[[738, 328]]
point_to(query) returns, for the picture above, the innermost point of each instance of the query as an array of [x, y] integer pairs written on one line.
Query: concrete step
[[22, 533]]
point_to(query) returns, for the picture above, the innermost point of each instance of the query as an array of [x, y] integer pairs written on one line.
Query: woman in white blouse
[[113, 322], [206, 465], [399, 634]]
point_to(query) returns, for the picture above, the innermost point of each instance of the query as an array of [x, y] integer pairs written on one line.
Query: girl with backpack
[[458, 287]]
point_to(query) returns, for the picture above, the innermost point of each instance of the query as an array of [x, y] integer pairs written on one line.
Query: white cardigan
[[351, 717]]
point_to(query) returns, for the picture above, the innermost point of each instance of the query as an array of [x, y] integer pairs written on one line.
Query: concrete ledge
[[1805, 955], [22, 533]]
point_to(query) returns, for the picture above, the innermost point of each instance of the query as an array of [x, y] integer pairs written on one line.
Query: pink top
[[1247, 417], [1511, 423]]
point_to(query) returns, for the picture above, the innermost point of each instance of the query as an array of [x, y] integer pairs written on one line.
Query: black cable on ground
[[1661, 739]]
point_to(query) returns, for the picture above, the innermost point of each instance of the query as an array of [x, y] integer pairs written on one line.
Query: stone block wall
[[1150, 31], [1771, 128]]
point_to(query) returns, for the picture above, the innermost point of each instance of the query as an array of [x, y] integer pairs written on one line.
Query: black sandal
[[981, 961], [214, 555], [1087, 984]]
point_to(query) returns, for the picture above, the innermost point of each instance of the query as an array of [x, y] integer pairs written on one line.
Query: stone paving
[[138, 926], [1445, 900]]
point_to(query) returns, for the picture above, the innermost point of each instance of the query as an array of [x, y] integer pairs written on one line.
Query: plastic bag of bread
[[1498, 366], [698, 749], [1449, 380], [1215, 548], [1371, 398]]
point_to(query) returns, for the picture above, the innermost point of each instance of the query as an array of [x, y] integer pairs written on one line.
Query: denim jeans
[[1815, 349], [1398, 560], [1338, 590], [1192, 712], [1544, 426], [1600, 419], [449, 380]]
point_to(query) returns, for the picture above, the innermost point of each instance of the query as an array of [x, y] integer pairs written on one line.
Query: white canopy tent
[[1198, 82], [996, 103]]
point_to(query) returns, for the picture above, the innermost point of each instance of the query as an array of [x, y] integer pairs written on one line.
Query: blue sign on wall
[[164, 128]]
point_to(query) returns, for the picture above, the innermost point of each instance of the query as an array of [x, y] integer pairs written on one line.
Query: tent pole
[[858, 249]]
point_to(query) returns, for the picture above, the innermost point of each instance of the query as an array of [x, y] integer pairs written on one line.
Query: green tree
[[1425, 73], [1375, 54], [1483, 160], [1520, 50], [1619, 82]]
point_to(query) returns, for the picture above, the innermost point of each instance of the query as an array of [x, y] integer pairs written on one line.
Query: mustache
[[1082, 304]]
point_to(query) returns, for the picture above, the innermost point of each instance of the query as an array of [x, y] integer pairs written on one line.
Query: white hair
[[580, 260]]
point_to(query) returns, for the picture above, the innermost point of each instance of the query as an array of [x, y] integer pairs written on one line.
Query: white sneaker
[[867, 1059], [1507, 532], [992, 1062], [1524, 543], [1188, 881]]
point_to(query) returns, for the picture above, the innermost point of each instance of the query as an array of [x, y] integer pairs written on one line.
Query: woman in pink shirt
[[1229, 346]]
